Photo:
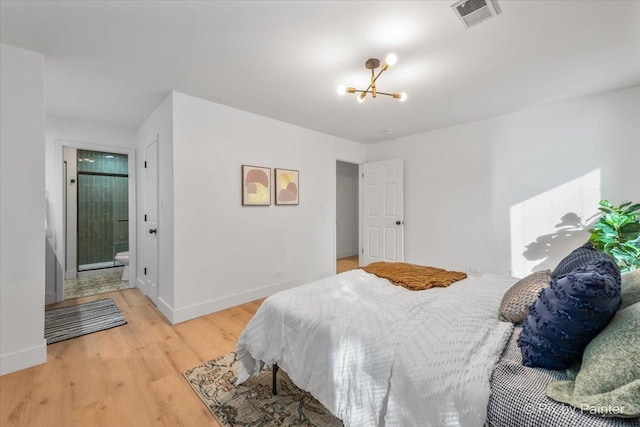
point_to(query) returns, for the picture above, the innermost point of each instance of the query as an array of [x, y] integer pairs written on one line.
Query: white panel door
[[150, 267], [383, 210]]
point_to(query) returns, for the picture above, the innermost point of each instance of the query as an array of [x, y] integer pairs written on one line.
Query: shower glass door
[[103, 208]]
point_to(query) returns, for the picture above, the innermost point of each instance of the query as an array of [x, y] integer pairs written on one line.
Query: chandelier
[[372, 64]]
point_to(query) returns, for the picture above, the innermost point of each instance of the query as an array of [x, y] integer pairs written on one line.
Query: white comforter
[[380, 355]]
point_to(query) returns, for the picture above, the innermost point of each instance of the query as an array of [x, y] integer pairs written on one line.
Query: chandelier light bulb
[[403, 96], [361, 97], [392, 59], [342, 90]]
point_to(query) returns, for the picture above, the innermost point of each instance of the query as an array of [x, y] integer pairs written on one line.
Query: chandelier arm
[[388, 94], [376, 78], [373, 84], [369, 91]]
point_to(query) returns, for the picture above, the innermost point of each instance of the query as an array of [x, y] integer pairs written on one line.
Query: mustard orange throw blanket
[[414, 277]]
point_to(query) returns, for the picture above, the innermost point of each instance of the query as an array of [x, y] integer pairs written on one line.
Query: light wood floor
[[346, 264], [126, 376]]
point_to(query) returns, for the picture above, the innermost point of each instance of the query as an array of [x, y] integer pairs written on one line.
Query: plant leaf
[[607, 239], [630, 231], [605, 227], [632, 208]]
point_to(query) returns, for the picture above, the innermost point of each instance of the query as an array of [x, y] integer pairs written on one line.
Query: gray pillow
[[630, 288], [516, 301], [608, 383]]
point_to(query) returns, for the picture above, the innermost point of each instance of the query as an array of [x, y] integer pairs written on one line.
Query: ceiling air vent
[[473, 12]]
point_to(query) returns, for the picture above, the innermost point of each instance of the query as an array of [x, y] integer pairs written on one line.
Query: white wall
[[74, 132], [158, 125], [22, 209], [508, 193], [227, 254], [347, 184]]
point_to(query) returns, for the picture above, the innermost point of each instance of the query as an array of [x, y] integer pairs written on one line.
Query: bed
[[381, 355], [518, 397]]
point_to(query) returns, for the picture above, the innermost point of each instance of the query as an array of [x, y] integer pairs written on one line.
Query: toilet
[[123, 258]]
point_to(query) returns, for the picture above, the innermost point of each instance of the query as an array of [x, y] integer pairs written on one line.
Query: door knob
[[399, 222], [153, 231]]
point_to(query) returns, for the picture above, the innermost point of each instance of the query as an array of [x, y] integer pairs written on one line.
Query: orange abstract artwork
[[256, 186], [287, 187]]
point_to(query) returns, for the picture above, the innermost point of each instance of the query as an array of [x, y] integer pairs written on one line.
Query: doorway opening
[[96, 220], [347, 216]]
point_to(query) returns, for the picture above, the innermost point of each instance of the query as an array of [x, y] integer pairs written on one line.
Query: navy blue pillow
[[569, 314], [580, 257]]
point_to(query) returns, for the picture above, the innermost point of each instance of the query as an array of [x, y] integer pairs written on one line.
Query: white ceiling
[[113, 62]]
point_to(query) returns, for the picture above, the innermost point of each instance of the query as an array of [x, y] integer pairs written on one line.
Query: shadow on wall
[[538, 241], [572, 233]]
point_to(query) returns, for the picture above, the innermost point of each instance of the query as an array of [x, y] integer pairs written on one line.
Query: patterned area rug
[[70, 322], [251, 403], [92, 285]]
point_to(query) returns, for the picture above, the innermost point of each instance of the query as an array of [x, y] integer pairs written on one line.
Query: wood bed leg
[[274, 383]]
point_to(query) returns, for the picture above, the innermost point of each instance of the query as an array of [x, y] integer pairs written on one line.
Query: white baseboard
[[166, 311], [347, 253], [164, 308], [191, 312], [23, 359]]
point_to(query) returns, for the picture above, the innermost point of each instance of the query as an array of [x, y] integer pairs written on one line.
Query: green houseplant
[[617, 233]]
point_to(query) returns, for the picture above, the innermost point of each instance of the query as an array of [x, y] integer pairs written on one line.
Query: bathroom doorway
[[98, 211], [97, 221]]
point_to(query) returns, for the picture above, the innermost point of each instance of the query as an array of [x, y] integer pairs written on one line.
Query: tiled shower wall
[[103, 206]]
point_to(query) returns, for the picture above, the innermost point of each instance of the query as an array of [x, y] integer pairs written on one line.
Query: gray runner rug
[[70, 322]]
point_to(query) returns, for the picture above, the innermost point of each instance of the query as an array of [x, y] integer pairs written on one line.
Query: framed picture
[[256, 186], [287, 187]]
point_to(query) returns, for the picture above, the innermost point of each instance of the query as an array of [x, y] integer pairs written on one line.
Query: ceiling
[[114, 62]]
